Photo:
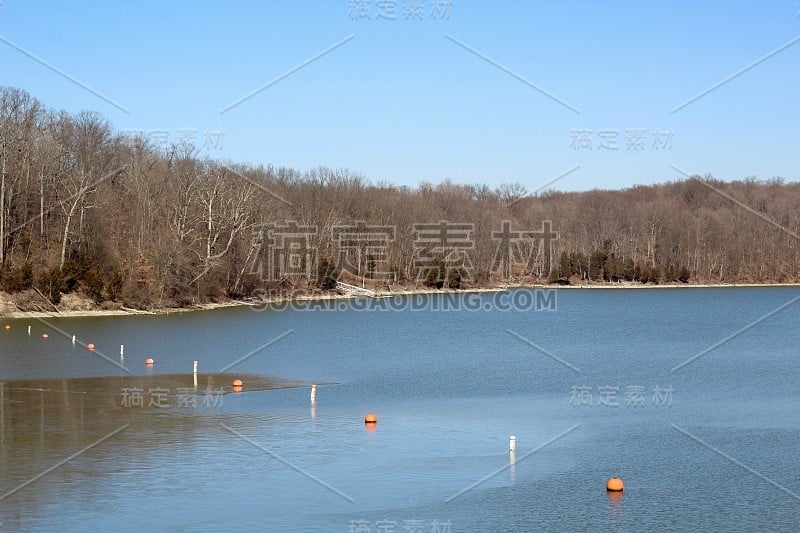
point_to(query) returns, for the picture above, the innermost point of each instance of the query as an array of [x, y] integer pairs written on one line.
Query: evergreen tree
[[683, 274], [628, 270]]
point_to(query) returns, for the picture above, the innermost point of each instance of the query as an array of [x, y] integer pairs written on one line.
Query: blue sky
[[424, 98]]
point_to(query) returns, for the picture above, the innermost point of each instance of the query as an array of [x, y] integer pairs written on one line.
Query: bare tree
[[88, 158], [225, 205]]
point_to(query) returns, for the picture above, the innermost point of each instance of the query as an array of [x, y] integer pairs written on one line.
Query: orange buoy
[[371, 418], [615, 484], [237, 382], [149, 361], [90, 346], [45, 335], [8, 327]]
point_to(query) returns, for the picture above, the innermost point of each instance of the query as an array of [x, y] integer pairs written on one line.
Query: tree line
[[85, 209]]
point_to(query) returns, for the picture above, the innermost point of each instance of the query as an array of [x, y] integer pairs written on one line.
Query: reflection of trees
[[43, 422]]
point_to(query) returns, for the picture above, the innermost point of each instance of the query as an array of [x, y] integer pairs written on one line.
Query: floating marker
[[313, 393], [194, 371], [512, 443], [371, 418], [122, 350], [29, 330], [237, 382], [73, 339], [45, 335], [90, 346], [615, 484], [149, 361]]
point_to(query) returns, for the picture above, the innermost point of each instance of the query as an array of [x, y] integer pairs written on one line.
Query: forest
[[86, 210]]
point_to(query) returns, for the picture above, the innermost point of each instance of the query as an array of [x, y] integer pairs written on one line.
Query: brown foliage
[[84, 209]]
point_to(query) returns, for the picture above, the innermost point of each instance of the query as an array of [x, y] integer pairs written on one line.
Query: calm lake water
[[593, 389]]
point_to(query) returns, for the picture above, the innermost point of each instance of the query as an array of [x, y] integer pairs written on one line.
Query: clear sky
[[475, 91]]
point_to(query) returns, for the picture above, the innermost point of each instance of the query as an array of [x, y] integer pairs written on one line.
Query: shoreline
[[211, 306]]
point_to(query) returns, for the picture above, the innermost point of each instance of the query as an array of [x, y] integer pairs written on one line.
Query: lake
[[691, 396]]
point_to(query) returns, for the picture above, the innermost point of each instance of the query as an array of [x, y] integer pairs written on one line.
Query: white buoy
[[313, 393], [194, 371], [512, 466], [122, 350], [512, 443], [29, 330], [73, 339]]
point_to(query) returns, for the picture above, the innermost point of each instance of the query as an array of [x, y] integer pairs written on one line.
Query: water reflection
[[443, 383], [615, 504], [109, 422]]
